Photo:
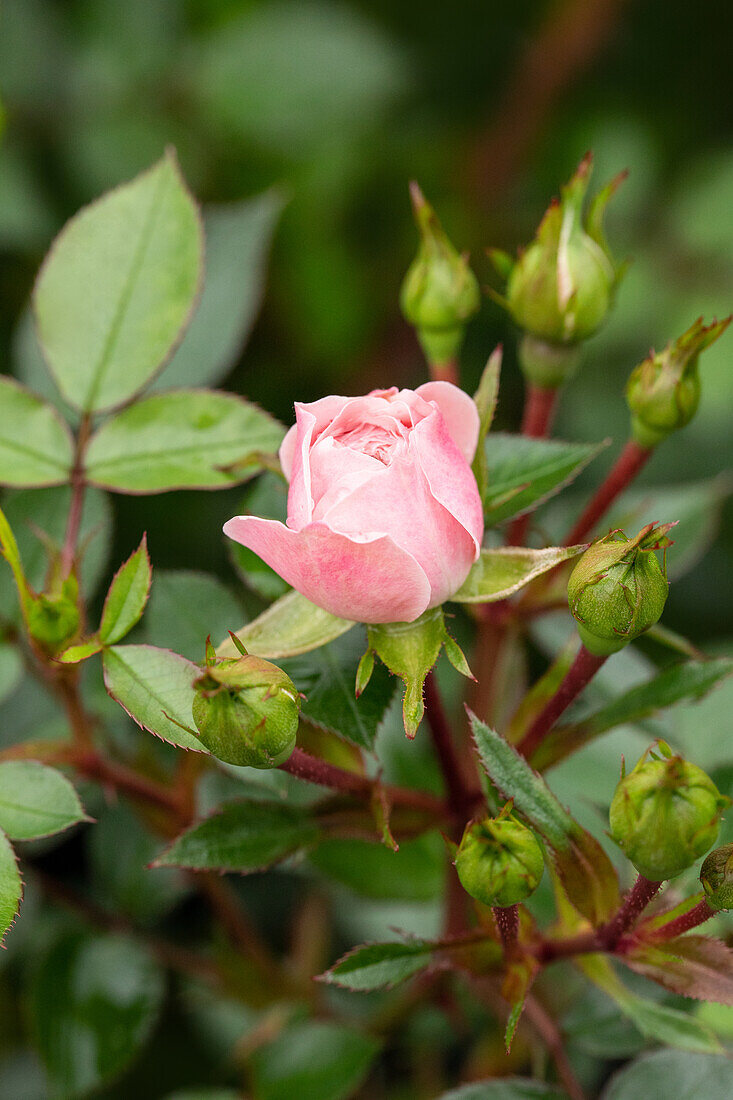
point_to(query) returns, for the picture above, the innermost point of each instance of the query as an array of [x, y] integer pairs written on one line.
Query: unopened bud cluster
[[499, 861], [665, 814]]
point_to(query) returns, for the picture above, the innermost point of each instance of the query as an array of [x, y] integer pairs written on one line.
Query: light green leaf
[[584, 868], [11, 886], [237, 240], [378, 966], [313, 1060], [500, 572], [290, 626], [36, 448], [155, 687], [118, 286], [82, 652], [243, 837], [36, 800], [94, 1002], [674, 1074], [409, 650], [688, 680], [127, 596], [512, 1088], [186, 607], [524, 472], [186, 439]]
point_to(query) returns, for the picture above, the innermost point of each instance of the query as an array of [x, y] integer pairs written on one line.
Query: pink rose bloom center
[[384, 516]]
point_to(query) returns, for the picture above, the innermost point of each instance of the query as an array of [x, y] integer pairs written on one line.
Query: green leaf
[[327, 678], [485, 399], [243, 837], [693, 966], [237, 241], [654, 1021], [11, 669], [313, 1061], [500, 572], [11, 886], [378, 966], [94, 1002], [674, 1074], [186, 439], [204, 1094], [36, 447], [118, 286], [82, 652], [584, 868], [524, 472], [688, 680], [413, 873], [409, 650], [155, 687], [186, 607], [127, 596], [36, 800], [289, 627], [511, 1088]]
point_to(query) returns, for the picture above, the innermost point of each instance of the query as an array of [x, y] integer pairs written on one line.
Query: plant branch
[[551, 1037], [582, 670], [684, 923], [507, 921], [633, 905], [78, 485], [632, 459], [463, 798], [445, 372]]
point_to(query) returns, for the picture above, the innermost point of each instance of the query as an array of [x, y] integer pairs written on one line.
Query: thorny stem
[[78, 485], [582, 670], [631, 460], [634, 904], [698, 915], [507, 921]]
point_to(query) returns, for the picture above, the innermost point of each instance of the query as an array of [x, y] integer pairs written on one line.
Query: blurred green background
[[337, 105]]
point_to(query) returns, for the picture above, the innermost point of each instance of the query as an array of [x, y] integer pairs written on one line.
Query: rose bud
[[384, 514], [716, 876], [440, 292], [663, 392], [246, 711], [53, 617], [618, 589], [499, 861], [665, 814], [560, 288]]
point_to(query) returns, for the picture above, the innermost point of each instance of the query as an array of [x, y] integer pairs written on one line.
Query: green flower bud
[[53, 617], [246, 711], [561, 286], [663, 392], [440, 292], [499, 861], [618, 589], [665, 814], [716, 876]]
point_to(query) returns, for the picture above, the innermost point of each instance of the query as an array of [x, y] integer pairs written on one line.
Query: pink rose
[[384, 515]]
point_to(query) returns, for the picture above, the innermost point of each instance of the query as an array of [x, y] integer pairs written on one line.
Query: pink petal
[[318, 413], [370, 582], [449, 476], [459, 412]]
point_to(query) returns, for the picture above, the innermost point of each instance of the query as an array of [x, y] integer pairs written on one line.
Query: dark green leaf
[[414, 873], [313, 1061], [289, 627], [127, 596], [379, 966], [673, 1074], [241, 836], [155, 687], [117, 288], [186, 607], [501, 572], [524, 472], [36, 800], [36, 447], [688, 680], [237, 240], [94, 1002], [584, 868], [186, 439], [11, 886], [327, 677], [509, 1088]]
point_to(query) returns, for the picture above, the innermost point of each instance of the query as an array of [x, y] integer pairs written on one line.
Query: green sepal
[[364, 672]]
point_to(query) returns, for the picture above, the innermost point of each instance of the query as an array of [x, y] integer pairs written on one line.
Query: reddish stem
[[445, 372], [463, 799], [540, 404], [634, 904], [507, 921], [582, 670], [684, 923], [78, 484], [631, 460]]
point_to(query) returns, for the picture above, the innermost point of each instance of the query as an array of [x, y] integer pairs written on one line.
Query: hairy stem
[[634, 904], [582, 670], [684, 923], [632, 459], [507, 921]]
